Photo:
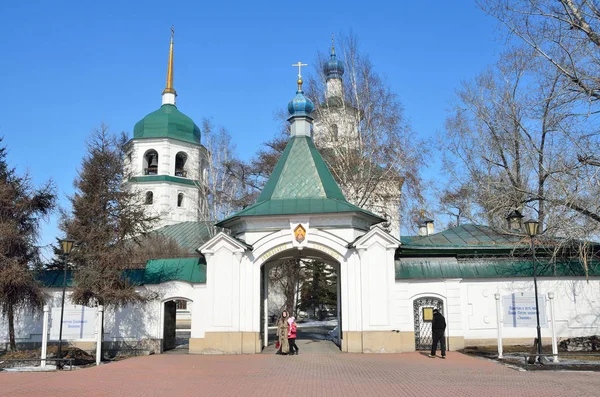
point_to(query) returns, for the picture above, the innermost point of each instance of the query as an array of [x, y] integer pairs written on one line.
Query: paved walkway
[[309, 346], [409, 374]]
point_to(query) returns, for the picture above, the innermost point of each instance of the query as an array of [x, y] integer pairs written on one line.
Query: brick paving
[[408, 374]]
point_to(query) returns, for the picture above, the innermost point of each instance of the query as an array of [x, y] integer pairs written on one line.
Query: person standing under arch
[[282, 333]]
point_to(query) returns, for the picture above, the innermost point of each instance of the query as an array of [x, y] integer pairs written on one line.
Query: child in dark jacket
[[292, 336]]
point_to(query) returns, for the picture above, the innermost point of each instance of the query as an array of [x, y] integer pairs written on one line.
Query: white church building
[[480, 278]]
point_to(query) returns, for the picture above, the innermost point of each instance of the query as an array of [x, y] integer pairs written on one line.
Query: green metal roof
[[188, 235], [178, 269], [167, 122], [439, 268], [156, 271], [301, 173], [465, 236], [301, 183], [54, 278]]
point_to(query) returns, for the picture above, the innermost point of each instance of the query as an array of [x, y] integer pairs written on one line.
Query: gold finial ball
[[299, 81]]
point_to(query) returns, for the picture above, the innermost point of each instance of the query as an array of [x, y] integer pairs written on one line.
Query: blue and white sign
[[79, 322], [519, 310]]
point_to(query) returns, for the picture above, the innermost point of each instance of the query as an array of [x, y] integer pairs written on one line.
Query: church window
[[149, 198], [181, 305], [151, 163], [180, 160], [334, 132], [180, 200]]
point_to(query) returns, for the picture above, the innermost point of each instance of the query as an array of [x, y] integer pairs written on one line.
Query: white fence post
[[553, 322], [45, 335], [498, 318], [99, 317]]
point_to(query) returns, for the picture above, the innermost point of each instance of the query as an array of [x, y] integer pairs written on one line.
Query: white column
[[99, 316], [266, 305], [45, 335], [499, 323], [339, 303], [553, 323]]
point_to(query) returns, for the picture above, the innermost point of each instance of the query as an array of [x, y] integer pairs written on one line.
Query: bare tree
[[565, 33], [362, 135], [221, 193], [22, 207], [512, 143]]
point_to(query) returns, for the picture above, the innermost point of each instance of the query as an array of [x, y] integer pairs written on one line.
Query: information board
[[79, 322], [519, 310]]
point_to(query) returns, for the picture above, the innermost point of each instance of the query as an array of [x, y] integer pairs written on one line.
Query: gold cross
[[299, 64]]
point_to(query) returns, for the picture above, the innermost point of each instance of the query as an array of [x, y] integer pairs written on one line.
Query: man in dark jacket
[[438, 326]]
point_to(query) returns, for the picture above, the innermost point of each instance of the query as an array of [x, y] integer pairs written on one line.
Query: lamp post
[[67, 246], [532, 227]]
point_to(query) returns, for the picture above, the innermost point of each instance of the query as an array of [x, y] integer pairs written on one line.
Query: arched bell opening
[[151, 162], [180, 164], [306, 284]]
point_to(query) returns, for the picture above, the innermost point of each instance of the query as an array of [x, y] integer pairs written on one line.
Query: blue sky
[[69, 66]]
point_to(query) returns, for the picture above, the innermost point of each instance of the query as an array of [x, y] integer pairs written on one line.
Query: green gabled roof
[[301, 173], [188, 235], [301, 183], [167, 122]]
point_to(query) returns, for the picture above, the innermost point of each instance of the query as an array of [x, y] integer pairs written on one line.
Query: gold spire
[[169, 88], [332, 46]]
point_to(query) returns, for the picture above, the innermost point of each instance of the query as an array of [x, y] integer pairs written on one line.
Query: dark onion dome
[[334, 68], [167, 122], [300, 105]]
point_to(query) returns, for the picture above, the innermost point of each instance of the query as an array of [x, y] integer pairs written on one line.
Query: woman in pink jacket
[[292, 336]]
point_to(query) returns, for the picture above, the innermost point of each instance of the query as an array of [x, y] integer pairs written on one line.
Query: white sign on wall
[[79, 322], [519, 310]]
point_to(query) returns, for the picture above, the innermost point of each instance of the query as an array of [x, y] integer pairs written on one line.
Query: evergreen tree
[[107, 221], [22, 207], [319, 288]]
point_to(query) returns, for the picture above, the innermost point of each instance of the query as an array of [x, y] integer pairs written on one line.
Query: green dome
[[167, 122]]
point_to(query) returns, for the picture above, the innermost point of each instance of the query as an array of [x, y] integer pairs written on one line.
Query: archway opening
[[306, 284], [177, 325], [423, 316]]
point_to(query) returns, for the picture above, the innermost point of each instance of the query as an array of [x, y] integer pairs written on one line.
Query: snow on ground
[[333, 322]]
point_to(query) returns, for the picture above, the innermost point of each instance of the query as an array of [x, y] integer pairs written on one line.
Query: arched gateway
[[300, 213]]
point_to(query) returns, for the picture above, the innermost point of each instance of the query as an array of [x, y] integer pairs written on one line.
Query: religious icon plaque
[[299, 233], [428, 314]]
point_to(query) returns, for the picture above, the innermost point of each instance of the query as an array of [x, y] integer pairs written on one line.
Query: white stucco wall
[[470, 305], [130, 323]]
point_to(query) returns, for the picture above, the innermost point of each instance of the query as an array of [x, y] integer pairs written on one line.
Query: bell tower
[[165, 161]]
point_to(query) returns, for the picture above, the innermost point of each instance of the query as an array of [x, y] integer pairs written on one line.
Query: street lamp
[[532, 226], [67, 246]]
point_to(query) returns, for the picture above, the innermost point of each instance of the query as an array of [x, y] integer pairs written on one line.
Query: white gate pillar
[[45, 335]]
